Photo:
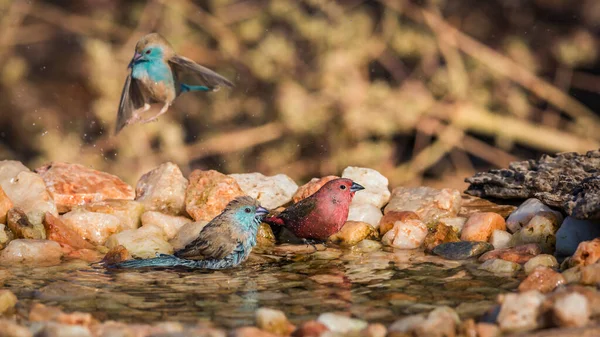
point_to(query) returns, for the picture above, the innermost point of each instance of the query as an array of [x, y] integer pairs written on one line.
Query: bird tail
[[166, 260]]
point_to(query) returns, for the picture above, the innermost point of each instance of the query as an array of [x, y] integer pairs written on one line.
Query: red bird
[[320, 215]]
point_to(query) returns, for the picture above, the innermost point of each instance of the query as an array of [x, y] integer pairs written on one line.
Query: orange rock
[[310, 329], [74, 184], [42, 313], [588, 252], [116, 254], [543, 279], [389, 219], [208, 193], [520, 254], [480, 226], [57, 231], [5, 205], [311, 187], [438, 235], [88, 255]]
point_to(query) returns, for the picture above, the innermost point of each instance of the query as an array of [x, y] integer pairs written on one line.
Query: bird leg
[[161, 112], [137, 114], [312, 243]]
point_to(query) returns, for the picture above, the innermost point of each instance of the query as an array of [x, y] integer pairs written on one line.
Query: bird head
[[341, 187], [246, 211], [152, 47]]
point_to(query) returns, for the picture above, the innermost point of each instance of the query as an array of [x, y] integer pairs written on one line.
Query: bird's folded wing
[[131, 99], [182, 66], [214, 242], [298, 210]]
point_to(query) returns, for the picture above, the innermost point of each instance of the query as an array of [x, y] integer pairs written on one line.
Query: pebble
[[365, 213], [8, 300], [588, 252], [265, 236], [572, 232], [271, 192], [53, 329], [572, 275], [12, 329], [311, 187], [429, 203], [56, 230], [406, 324], [116, 254], [479, 226], [170, 224], [541, 229], [500, 239], [144, 242], [162, 189], [500, 267], [341, 324], [273, 321], [441, 322], [527, 210], [188, 233], [74, 184], [22, 228], [408, 234], [462, 250], [438, 235], [545, 260], [520, 254], [5, 205], [310, 329], [487, 330], [457, 223], [127, 211], [31, 252], [250, 331], [352, 233], [571, 310], [5, 236], [543, 279], [590, 274], [520, 312], [208, 193], [374, 330], [390, 218], [92, 226], [376, 190]]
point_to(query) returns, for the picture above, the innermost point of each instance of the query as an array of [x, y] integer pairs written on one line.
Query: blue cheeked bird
[[156, 75], [225, 242]]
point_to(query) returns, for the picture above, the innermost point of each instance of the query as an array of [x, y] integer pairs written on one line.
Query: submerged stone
[[162, 189], [208, 193], [429, 203], [500, 267], [271, 192], [462, 250]]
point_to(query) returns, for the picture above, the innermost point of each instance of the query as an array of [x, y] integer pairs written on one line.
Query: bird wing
[[182, 65], [213, 242], [297, 211], [131, 99]]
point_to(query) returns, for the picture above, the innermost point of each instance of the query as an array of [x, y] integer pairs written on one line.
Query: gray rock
[[572, 232], [462, 250]]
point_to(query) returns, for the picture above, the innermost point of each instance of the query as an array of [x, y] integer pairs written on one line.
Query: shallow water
[[378, 286]]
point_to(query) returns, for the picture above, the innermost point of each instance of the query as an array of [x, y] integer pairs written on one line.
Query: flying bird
[[156, 75]]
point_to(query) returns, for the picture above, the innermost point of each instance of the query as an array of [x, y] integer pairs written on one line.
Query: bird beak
[[261, 212], [136, 56], [356, 187]]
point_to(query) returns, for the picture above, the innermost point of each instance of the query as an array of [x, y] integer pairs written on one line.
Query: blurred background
[[426, 92]]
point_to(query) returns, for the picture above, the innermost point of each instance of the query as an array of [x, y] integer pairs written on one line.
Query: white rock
[[163, 189], [546, 260], [571, 310], [457, 223], [442, 321], [170, 224], [407, 324], [376, 190], [271, 192], [365, 213], [341, 324], [272, 320], [34, 252], [527, 210], [92, 226], [500, 239], [407, 234], [429, 203], [572, 232], [520, 312], [54, 329], [187, 234], [541, 229], [128, 211], [500, 267], [143, 242], [27, 190], [9, 170]]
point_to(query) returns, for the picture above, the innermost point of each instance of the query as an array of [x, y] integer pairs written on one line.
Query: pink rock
[[74, 184], [311, 187], [33, 252], [163, 189], [520, 254], [208, 193], [480, 226], [310, 329], [57, 231], [543, 279]]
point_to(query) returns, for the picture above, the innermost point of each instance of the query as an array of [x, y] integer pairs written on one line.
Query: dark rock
[[462, 250], [568, 181]]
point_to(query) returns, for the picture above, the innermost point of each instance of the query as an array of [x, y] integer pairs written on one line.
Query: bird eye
[[343, 187], [148, 51], [247, 210]]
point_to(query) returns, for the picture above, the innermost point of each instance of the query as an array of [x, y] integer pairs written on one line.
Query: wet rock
[[572, 275], [572, 232], [571, 310], [526, 211], [250, 331], [588, 252], [88, 255], [500, 239], [520, 254], [310, 329], [541, 229], [472, 204], [479, 226], [408, 234], [271, 192], [8, 300], [374, 330], [441, 322], [438, 235], [52, 329], [208, 193], [5, 205], [22, 228], [74, 184], [390, 218], [143, 242], [311, 187], [429, 203], [406, 325], [5, 236], [273, 321], [116, 254], [91, 226], [365, 213], [57, 231], [170, 224], [352, 233], [500, 267], [42, 313], [520, 312], [590, 274], [487, 330], [569, 181], [543, 279], [265, 236], [32, 252], [545, 260], [457, 223], [461, 250], [127, 211], [341, 324], [188, 233], [376, 190], [162, 189], [368, 246], [12, 329]]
